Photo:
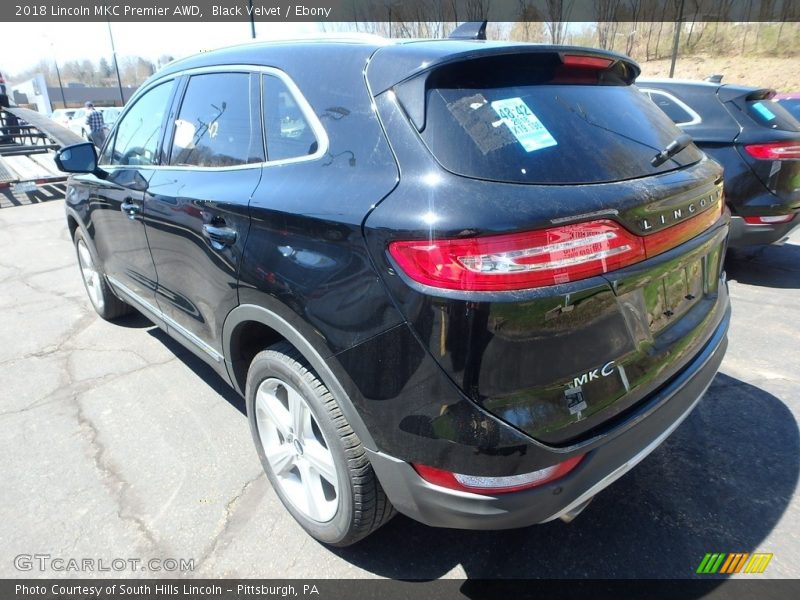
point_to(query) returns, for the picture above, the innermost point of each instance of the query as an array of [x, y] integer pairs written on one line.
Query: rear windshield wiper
[[675, 146]]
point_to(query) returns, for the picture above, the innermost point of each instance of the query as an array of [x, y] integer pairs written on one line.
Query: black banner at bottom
[[385, 589]]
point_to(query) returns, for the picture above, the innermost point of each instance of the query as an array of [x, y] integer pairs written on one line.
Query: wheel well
[[248, 339], [73, 225]]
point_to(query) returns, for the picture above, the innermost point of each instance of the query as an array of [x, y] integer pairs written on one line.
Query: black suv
[[754, 138], [473, 282]]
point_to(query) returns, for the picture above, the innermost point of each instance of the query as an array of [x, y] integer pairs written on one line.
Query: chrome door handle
[[219, 236], [130, 208]]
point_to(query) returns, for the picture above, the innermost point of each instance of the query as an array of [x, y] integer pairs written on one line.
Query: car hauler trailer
[[28, 141]]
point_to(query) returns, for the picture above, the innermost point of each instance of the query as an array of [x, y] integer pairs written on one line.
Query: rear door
[[197, 202]]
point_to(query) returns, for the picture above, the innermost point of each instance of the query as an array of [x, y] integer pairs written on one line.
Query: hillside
[[782, 74]]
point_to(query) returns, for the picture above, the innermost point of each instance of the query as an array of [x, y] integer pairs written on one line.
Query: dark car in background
[[474, 282], [754, 138]]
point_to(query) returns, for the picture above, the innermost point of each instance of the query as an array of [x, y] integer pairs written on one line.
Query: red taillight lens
[[663, 240], [539, 258], [775, 151], [520, 260], [586, 62], [496, 485], [769, 219]]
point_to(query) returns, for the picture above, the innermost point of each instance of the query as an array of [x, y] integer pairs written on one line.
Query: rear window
[[769, 113], [506, 120], [792, 105]]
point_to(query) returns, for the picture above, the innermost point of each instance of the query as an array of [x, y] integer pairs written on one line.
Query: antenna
[[471, 30]]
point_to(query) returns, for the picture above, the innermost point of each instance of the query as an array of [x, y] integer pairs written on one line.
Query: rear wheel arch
[[249, 329]]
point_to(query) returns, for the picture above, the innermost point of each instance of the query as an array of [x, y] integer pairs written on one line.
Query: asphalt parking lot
[[117, 443]]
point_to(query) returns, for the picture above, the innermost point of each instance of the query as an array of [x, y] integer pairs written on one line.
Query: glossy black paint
[[753, 187], [514, 353], [468, 382]]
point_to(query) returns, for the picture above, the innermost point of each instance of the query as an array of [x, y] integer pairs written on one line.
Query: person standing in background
[[95, 125]]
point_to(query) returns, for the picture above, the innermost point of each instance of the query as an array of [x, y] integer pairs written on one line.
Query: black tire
[[104, 302], [362, 505]]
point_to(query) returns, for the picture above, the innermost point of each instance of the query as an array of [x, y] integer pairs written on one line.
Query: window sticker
[[525, 125], [477, 118], [763, 111]]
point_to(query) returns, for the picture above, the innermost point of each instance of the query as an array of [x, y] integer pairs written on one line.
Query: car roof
[[399, 59], [724, 90]]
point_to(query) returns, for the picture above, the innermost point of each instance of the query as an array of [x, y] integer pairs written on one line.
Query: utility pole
[[116, 65], [252, 20], [676, 40], [58, 75]]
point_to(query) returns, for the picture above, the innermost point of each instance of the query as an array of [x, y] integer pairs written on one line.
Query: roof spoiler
[[411, 91], [728, 93], [471, 30]]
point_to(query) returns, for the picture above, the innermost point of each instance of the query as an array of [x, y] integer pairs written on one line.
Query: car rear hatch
[[555, 270], [769, 142]]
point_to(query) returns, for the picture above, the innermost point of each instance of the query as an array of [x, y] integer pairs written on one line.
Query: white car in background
[[77, 122], [62, 115]]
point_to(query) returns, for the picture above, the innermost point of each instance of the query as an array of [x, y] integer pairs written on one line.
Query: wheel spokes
[[281, 457], [312, 488], [300, 414], [321, 461], [90, 275], [269, 407]]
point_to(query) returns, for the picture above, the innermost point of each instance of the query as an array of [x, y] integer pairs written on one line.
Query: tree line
[[133, 70]]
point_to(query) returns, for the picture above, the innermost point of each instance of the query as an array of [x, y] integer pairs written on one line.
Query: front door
[[117, 201]]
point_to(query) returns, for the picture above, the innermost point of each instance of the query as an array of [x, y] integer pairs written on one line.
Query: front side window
[[138, 132], [219, 124], [289, 134]]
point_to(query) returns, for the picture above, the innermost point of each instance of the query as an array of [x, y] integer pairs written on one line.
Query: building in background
[[36, 95]]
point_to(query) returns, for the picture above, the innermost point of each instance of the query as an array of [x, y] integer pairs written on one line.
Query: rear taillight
[[774, 151], [519, 260], [663, 240], [768, 220], [479, 484], [538, 258]]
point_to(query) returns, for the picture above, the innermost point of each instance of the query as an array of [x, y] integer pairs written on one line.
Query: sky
[[25, 44]]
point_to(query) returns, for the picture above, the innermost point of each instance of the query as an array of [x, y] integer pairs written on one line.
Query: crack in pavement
[[230, 509], [114, 481]]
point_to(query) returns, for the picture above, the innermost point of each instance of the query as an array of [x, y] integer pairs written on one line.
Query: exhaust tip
[[568, 516]]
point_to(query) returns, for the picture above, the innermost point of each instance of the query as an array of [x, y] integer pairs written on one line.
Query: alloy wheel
[[296, 450]]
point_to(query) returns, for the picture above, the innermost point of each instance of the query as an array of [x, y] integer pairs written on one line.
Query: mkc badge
[[576, 403]]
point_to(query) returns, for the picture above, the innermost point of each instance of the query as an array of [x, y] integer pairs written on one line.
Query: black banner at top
[[332, 11]]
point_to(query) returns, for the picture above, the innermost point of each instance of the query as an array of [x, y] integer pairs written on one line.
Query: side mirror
[[78, 158]]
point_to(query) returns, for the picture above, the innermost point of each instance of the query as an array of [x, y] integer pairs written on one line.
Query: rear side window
[[289, 135], [769, 113], [218, 124], [674, 108], [499, 122]]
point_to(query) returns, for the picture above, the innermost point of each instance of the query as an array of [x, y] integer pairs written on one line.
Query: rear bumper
[[743, 234], [441, 507]]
